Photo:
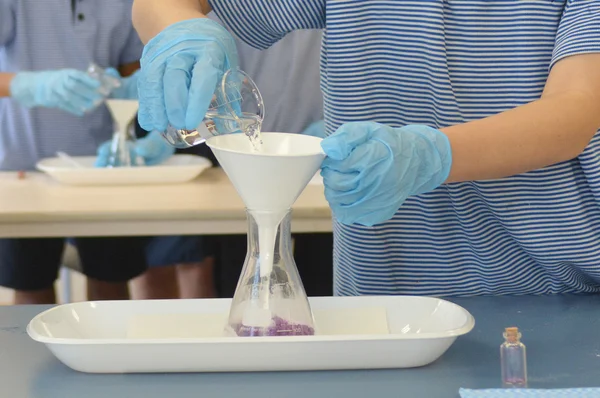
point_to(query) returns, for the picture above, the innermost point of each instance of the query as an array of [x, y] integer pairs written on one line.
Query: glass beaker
[[272, 303], [236, 107], [107, 82]]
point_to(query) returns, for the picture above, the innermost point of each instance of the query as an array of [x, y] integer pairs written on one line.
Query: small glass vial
[[513, 359]]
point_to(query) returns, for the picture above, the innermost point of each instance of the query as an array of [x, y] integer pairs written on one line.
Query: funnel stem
[[268, 225]]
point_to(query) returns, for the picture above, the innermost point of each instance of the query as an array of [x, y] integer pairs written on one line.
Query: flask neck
[[269, 229]]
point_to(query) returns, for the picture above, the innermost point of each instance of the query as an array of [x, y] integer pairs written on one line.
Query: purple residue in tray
[[279, 327]]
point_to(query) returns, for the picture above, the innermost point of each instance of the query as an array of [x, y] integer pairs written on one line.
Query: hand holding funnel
[[270, 299]]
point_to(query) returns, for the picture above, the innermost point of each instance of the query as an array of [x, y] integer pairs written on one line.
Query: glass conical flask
[[270, 303]]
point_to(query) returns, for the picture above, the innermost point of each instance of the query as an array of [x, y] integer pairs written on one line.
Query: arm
[[259, 23], [5, 79], [150, 17], [555, 128], [128, 69]]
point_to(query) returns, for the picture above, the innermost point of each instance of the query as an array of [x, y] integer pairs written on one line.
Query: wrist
[[437, 145], [21, 88], [5, 81]]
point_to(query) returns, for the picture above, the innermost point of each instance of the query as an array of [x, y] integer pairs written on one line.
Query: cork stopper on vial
[[511, 334]]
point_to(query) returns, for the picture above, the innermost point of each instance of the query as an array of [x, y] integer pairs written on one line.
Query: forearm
[[128, 69], [548, 131], [150, 17], [5, 79]]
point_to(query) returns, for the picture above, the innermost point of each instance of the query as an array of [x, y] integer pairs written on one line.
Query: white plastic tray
[[177, 169], [162, 336]]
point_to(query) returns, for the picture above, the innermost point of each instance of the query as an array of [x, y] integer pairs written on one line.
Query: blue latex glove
[[152, 148], [181, 67], [128, 89], [371, 168], [316, 129], [67, 89]]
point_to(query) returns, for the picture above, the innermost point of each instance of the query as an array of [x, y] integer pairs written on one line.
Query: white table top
[[37, 206]]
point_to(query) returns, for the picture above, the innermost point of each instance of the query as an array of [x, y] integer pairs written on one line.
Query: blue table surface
[[562, 334]]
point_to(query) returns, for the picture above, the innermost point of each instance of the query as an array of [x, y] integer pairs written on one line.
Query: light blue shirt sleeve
[[7, 21], [132, 51], [261, 23], [579, 30]]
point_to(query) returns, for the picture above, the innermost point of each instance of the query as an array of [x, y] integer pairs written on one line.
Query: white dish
[[108, 337], [177, 169]]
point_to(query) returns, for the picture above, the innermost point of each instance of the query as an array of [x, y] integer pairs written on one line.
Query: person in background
[[293, 103], [462, 136], [49, 104], [178, 266]]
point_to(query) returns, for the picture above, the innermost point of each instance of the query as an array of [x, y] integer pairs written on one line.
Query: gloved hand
[[316, 129], [371, 168], [67, 89], [152, 148], [181, 67], [128, 89]]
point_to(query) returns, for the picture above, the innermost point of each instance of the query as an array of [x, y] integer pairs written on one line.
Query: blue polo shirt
[[54, 34]]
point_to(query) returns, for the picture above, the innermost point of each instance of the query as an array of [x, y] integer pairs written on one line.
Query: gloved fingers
[[83, 85], [340, 182], [155, 157], [346, 198], [316, 129], [152, 113], [102, 154], [80, 92], [347, 137], [67, 103], [364, 156], [176, 82], [205, 77], [84, 79], [153, 149], [113, 72], [104, 149], [101, 162], [161, 157], [77, 101]]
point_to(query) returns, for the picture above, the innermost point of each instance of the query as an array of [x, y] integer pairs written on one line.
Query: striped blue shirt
[[442, 63], [41, 35], [288, 78]]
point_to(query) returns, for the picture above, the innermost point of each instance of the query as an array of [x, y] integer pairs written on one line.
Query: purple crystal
[[279, 327]]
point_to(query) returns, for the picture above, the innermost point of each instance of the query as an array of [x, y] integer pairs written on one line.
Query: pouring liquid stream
[[248, 123]]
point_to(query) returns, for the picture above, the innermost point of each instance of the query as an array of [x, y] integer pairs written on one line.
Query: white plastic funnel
[[269, 180], [123, 111]]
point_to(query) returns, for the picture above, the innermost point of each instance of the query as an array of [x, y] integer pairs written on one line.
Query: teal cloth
[[531, 393]]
